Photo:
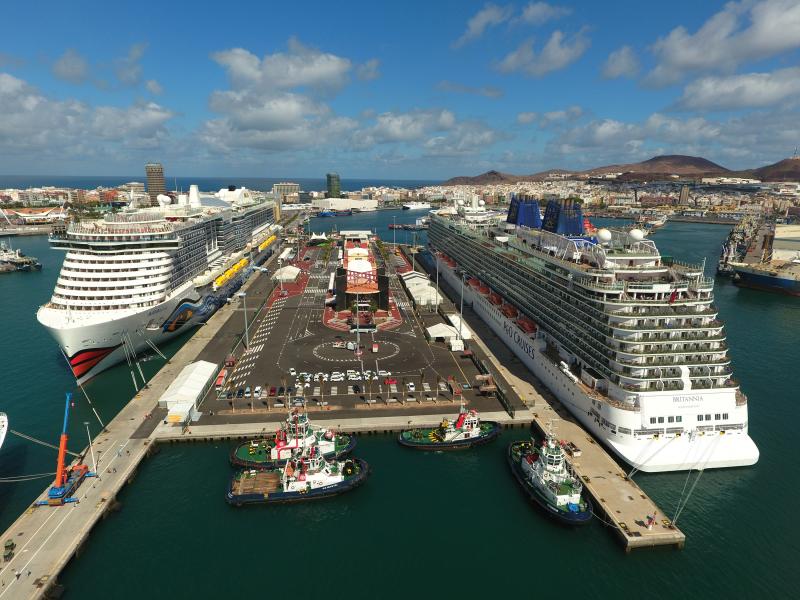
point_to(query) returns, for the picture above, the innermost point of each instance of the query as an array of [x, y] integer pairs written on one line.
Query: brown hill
[[488, 178], [787, 169], [672, 164]]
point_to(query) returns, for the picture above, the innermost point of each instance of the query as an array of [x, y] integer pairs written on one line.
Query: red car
[[389, 381], [272, 391]]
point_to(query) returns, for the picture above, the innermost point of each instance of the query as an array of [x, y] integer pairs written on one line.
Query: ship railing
[[722, 348], [646, 327], [664, 311]]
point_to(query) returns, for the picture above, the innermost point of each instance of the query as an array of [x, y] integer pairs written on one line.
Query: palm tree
[[284, 382], [403, 395], [421, 380], [438, 381], [321, 390]]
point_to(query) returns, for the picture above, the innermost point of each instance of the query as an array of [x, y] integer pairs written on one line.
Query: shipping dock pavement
[[287, 330]]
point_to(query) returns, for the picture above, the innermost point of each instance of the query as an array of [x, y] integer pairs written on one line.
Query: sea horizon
[[180, 182]]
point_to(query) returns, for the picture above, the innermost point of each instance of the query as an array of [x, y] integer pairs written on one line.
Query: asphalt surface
[[291, 335]]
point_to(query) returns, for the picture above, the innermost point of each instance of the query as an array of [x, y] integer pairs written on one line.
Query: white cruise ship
[[140, 276], [627, 340]]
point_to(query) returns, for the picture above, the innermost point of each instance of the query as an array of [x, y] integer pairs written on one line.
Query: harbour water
[[423, 523]]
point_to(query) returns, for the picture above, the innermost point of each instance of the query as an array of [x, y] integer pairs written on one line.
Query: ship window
[[699, 417], [678, 419], [716, 417], [660, 419], [708, 417], [725, 416], [670, 419]]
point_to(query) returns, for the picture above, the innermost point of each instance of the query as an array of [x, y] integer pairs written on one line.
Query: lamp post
[[91, 449], [243, 296]]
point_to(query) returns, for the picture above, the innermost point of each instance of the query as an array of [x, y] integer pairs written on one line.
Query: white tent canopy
[[442, 331], [191, 384], [286, 274]]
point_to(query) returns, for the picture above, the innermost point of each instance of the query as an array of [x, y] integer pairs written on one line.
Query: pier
[[46, 538]]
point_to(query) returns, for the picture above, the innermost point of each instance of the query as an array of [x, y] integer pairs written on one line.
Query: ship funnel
[[194, 195]]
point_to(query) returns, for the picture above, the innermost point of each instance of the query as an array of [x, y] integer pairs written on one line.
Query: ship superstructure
[[137, 277], [629, 341]]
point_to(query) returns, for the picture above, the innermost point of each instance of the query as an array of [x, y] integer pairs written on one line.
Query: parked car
[[292, 372], [257, 392], [272, 391], [280, 391], [411, 387], [357, 389], [390, 381], [240, 393], [247, 392], [229, 395]]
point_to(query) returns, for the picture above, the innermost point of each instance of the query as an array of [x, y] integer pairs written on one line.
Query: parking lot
[[295, 359]]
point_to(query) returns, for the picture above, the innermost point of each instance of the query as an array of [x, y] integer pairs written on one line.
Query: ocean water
[[441, 524], [205, 183]]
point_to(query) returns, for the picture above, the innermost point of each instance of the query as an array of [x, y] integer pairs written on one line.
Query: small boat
[[547, 479], [306, 476], [326, 213], [296, 432], [465, 432]]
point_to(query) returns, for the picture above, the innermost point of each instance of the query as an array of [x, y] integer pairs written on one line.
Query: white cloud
[[560, 116], [454, 87], [558, 53], [34, 125], [489, 16], [369, 70], [741, 32], [622, 62], [154, 87], [747, 90], [753, 139], [406, 126], [71, 67], [300, 66], [128, 69], [464, 138], [274, 103], [525, 118], [537, 13]]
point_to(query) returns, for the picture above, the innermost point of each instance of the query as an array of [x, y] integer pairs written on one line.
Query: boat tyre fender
[[349, 469]]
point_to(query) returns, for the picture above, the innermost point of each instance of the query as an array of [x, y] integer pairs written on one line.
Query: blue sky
[[417, 90]]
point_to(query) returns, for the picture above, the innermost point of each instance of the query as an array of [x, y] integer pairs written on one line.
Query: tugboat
[[547, 480], [15, 260], [465, 432], [307, 475], [296, 432]]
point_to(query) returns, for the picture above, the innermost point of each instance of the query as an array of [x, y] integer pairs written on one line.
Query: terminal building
[[359, 280]]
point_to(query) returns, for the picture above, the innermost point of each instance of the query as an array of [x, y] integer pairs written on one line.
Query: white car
[[306, 385], [292, 372], [411, 387], [383, 373], [257, 392]]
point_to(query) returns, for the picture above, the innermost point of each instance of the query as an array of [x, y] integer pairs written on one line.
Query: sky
[[402, 90]]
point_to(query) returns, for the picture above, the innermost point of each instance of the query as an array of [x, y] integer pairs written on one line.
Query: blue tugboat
[[308, 475], [547, 479]]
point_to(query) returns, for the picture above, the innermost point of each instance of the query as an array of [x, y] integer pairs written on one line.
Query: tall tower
[[334, 185], [155, 181]]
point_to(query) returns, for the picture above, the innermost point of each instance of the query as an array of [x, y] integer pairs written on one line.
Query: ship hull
[[91, 349], [764, 281], [651, 453]]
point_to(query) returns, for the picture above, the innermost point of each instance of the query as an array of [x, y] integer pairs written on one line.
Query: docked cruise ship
[[627, 339], [142, 275]]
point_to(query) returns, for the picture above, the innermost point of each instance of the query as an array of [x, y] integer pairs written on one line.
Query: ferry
[[416, 206], [629, 342], [136, 278]]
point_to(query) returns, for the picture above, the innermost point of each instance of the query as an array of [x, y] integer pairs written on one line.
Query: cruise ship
[[627, 339], [137, 277]]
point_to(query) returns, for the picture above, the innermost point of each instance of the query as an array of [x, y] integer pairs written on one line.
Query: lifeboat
[[527, 325], [495, 298], [509, 311]]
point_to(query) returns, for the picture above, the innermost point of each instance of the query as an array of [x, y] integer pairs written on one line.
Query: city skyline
[[426, 93]]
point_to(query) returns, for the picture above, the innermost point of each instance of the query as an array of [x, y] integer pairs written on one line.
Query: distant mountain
[[672, 164], [787, 169], [658, 167]]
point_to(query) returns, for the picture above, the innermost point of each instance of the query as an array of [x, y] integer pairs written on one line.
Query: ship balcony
[[660, 374], [688, 348], [632, 310], [672, 337], [657, 325], [692, 362]]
